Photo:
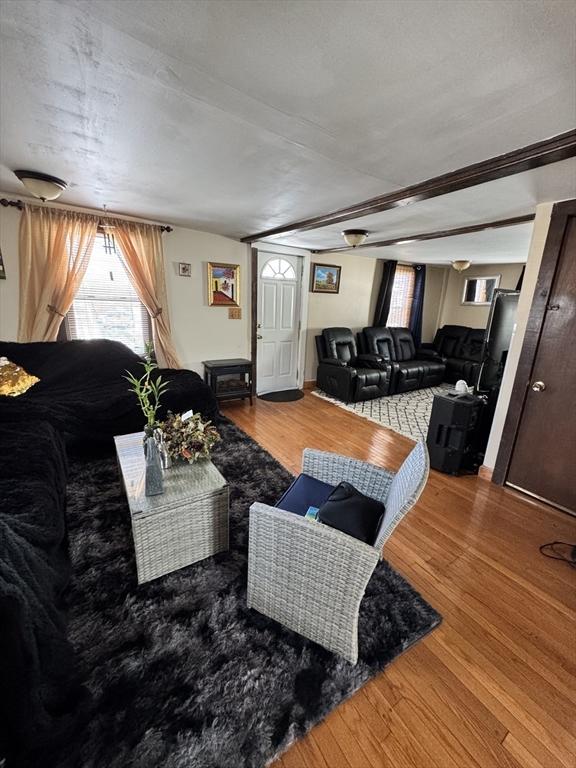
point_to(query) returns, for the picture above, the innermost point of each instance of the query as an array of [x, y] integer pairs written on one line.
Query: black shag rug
[[181, 673]]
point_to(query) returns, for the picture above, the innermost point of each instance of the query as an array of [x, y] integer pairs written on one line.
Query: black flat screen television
[[501, 324]]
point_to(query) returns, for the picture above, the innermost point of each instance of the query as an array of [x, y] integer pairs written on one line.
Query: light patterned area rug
[[407, 413]]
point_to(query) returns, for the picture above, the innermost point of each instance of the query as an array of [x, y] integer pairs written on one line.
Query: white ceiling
[[237, 116], [508, 245]]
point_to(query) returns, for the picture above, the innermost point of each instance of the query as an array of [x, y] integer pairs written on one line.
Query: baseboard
[[309, 384], [485, 473]]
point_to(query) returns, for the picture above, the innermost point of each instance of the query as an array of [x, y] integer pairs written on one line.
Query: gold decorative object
[[14, 380]]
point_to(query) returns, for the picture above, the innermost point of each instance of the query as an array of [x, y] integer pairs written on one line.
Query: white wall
[[456, 313], [9, 297], [200, 332], [436, 281], [539, 234], [352, 308]]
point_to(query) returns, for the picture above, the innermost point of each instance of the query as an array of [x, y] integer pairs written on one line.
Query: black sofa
[[79, 404], [460, 348], [345, 373], [411, 368]]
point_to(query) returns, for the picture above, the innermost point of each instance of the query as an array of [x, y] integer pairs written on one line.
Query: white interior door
[[279, 284]]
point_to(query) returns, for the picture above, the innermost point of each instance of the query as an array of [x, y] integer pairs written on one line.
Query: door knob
[[258, 336], [538, 386]]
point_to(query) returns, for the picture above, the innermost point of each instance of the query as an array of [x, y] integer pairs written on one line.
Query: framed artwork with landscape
[[325, 278], [223, 285]]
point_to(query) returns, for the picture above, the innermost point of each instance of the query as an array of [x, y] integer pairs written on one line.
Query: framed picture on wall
[[478, 291], [185, 269], [325, 278], [223, 285]]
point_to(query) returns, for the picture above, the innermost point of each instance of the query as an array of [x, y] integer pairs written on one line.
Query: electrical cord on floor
[[549, 550]]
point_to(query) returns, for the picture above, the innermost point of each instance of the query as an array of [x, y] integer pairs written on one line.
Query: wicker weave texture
[[333, 468], [405, 489], [186, 523], [175, 538], [309, 577]]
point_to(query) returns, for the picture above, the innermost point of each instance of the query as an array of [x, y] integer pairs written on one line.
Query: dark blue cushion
[[304, 492]]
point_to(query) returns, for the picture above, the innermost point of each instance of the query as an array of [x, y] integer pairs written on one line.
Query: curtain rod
[[20, 206]]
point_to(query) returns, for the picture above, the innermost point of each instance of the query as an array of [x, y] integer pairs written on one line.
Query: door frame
[[278, 250], [548, 266]]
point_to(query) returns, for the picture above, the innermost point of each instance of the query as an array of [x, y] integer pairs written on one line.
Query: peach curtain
[[55, 248], [141, 248]]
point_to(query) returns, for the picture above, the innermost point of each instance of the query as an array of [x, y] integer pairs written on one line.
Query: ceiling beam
[[434, 235], [535, 155]]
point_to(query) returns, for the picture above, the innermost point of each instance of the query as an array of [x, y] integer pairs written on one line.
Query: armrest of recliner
[[368, 360], [332, 361], [427, 353]]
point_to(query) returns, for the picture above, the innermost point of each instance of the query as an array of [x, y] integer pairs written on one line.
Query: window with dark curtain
[[106, 305], [402, 297]]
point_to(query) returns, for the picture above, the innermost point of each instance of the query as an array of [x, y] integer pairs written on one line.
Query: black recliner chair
[[460, 347], [411, 368], [346, 374], [415, 370]]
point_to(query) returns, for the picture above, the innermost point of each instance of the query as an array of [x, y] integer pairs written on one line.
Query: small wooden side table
[[239, 382]]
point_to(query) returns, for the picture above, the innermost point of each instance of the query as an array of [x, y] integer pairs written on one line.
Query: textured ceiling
[[234, 117], [492, 246]]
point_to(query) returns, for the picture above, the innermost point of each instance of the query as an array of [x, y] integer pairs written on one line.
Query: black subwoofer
[[453, 433]]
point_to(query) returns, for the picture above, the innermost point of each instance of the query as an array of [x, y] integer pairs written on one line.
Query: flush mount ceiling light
[[42, 185], [460, 265], [354, 237]]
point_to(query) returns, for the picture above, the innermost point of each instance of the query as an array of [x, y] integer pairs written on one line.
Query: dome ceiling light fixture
[[42, 185], [460, 265], [355, 237]]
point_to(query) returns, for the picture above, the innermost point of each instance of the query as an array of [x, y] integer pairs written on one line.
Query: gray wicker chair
[[311, 578]]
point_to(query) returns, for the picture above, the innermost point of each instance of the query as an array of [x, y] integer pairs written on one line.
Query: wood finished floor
[[494, 686]]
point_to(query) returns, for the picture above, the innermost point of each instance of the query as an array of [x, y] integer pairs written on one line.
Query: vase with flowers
[[149, 388]]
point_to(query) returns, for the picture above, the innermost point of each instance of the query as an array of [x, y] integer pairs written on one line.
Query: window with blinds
[[106, 305], [402, 296]]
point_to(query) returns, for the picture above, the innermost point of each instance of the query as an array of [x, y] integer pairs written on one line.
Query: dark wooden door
[[544, 455]]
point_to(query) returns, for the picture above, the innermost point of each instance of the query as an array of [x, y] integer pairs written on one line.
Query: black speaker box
[[453, 432]]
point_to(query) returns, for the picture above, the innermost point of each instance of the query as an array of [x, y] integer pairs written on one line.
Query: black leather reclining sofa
[[460, 347], [346, 374], [385, 361], [411, 368]]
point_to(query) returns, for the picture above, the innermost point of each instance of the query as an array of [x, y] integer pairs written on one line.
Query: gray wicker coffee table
[[186, 523]]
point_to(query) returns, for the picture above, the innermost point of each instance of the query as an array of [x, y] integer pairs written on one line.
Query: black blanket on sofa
[[83, 397], [41, 694], [82, 391]]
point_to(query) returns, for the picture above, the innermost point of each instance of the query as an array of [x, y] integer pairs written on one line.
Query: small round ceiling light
[[460, 265], [42, 185], [355, 237]]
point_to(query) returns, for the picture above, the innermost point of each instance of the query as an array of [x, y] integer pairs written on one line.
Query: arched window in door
[[278, 269]]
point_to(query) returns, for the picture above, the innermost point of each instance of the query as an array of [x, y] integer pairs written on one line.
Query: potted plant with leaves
[[149, 388]]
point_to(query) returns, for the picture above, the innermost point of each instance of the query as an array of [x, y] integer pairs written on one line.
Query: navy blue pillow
[[352, 512], [304, 492]]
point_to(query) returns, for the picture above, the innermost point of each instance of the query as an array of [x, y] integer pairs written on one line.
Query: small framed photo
[[223, 285], [325, 278], [185, 269]]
